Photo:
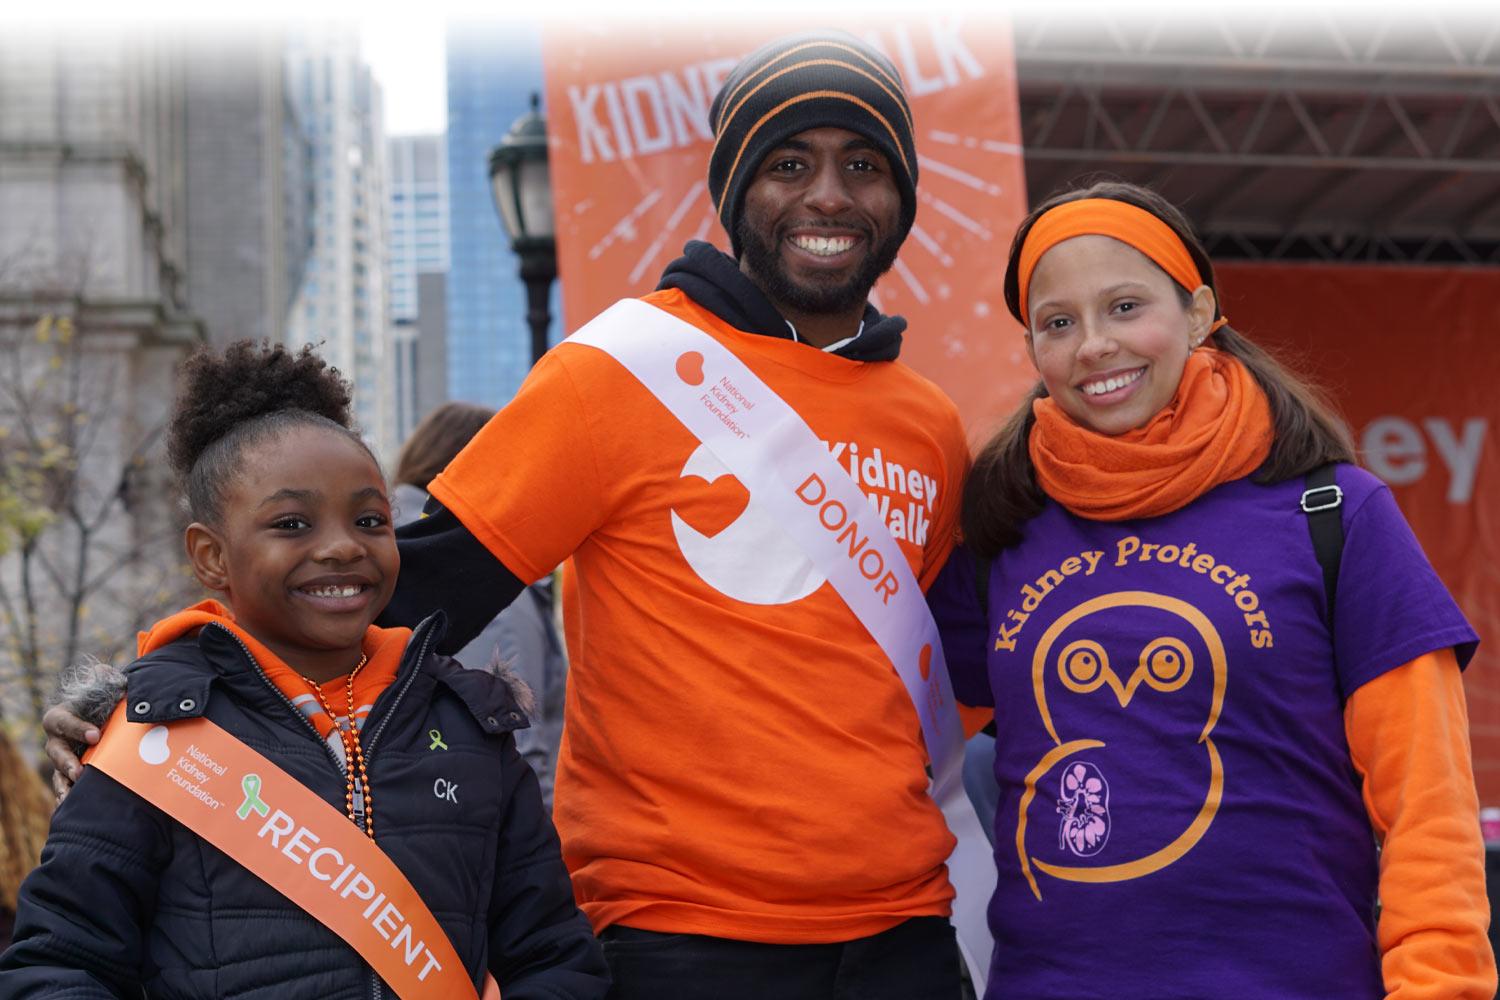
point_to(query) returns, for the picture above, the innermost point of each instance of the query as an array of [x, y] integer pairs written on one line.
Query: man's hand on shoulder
[[66, 734], [90, 692]]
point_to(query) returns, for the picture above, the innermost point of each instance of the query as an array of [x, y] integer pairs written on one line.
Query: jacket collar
[[177, 681]]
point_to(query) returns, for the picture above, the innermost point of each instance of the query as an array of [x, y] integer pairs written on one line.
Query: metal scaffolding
[[1287, 136]]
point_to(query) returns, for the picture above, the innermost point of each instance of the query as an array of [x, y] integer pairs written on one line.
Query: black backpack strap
[[1321, 502]]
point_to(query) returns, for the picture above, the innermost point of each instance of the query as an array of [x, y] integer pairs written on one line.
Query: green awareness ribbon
[[250, 785]]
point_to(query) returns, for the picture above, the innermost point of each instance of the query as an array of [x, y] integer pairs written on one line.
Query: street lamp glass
[[520, 180], [535, 197], [503, 187]]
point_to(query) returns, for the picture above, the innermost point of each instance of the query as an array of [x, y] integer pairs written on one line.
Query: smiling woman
[[1089, 375], [1112, 356], [1200, 720]]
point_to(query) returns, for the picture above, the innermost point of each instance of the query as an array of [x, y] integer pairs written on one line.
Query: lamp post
[[522, 186]]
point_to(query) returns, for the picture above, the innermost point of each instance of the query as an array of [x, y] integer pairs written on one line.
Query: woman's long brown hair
[[1002, 493]]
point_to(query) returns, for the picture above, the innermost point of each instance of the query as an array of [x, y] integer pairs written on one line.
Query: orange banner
[[1409, 355], [246, 806], [627, 110], [1404, 350]]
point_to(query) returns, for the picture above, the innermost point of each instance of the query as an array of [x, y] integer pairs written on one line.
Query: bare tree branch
[[82, 564]]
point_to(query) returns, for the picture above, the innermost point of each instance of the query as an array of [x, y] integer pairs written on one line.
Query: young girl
[[291, 526], [1201, 739]]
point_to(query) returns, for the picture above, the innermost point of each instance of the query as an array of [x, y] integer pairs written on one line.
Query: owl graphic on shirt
[[1128, 684]]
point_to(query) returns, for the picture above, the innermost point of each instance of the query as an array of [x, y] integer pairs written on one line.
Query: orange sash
[[304, 848]]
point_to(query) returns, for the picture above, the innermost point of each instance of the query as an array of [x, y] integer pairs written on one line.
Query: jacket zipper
[[376, 991], [260, 671], [410, 677]]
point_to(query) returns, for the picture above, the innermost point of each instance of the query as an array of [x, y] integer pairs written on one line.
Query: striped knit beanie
[[807, 81]]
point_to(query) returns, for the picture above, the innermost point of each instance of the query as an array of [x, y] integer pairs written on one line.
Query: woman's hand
[[65, 732]]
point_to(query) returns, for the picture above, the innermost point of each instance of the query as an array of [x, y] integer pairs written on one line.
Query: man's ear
[[205, 552]]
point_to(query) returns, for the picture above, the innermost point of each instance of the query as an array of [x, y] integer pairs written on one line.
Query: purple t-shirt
[[1178, 813]]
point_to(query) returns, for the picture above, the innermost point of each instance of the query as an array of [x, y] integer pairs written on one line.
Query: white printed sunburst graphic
[[667, 241], [957, 209]]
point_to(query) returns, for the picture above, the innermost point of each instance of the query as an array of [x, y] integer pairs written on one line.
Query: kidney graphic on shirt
[[1127, 647], [752, 559]]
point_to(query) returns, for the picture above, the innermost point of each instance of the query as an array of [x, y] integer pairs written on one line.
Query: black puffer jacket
[[127, 899]]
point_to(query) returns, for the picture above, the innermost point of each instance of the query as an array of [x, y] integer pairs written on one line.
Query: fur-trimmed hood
[[91, 690]]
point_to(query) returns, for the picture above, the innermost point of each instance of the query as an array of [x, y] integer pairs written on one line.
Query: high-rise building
[[249, 186], [417, 244], [417, 239], [493, 69], [342, 305], [431, 369]]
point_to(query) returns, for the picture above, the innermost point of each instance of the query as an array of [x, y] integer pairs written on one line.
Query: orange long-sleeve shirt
[[1408, 735]]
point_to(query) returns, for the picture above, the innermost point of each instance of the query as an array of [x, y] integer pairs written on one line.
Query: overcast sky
[[406, 56], [405, 50]]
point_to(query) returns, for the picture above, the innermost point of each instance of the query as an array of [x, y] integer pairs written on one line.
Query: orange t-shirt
[[740, 758]]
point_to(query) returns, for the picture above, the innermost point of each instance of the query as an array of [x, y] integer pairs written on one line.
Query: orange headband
[[1135, 227]]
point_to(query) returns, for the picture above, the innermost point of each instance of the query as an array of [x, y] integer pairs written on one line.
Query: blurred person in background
[[25, 811], [522, 636]]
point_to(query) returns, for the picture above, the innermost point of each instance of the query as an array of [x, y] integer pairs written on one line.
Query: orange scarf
[[384, 647], [1216, 428]]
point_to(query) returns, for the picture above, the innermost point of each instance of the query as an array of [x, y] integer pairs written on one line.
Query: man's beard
[[768, 272]]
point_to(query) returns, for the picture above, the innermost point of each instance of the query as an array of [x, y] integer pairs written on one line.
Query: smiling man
[[823, 217], [741, 789]]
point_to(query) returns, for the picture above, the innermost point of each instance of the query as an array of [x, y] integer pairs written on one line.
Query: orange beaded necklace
[[354, 754]]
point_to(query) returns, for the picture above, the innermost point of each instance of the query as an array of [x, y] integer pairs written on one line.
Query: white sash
[[776, 456]]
